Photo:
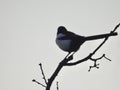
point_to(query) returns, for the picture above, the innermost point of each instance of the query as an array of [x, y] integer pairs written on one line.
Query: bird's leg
[[67, 55], [70, 57]]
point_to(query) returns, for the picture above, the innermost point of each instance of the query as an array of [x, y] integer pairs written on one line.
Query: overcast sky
[[27, 37]]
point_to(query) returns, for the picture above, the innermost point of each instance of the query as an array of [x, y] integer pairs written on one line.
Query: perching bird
[[71, 42]]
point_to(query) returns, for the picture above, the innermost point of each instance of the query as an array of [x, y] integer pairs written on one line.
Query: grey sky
[[27, 37]]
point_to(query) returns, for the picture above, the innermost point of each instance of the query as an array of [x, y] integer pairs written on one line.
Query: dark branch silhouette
[[43, 73], [95, 62], [38, 83], [44, 78], [57, 85], [65, 61]]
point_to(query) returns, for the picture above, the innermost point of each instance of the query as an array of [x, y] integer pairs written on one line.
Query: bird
[[70, 42]]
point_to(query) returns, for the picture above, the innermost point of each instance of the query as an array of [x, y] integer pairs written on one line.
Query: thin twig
[[57, 85], [94, 66], [103, 56], [99, 46], [79, 61], [116, 27], [93, 59], [43, 73], [107, 58], [38, 83]]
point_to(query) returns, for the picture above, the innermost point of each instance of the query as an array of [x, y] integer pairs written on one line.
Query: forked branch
[[65, 62], [43, 73]]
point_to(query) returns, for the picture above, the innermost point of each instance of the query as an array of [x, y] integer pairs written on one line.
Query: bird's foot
[[70, 57]]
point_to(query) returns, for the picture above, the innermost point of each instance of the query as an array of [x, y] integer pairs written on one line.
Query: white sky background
[[27, 37]]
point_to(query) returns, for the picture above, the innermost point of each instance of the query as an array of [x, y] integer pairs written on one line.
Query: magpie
[[71, 42]]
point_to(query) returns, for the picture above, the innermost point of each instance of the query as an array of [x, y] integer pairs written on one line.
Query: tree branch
[[57, 85], [116, 27], [95, 62], [65, 62], [43, 73], [38, 83], [91, 54], [61, 64], [88, 57]]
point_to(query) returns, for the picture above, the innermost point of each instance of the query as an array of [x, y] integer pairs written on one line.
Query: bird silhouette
[[71, 42]]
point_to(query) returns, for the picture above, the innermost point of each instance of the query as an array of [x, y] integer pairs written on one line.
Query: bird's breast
[[63, 44]]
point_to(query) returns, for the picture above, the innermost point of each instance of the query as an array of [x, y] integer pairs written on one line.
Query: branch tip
[[57, 85], [116, 27], [38, 83], [33, 80], [40, 64], [44, 78], [107, 58]]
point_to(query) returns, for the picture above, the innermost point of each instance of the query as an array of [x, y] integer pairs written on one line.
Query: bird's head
[[61, 29]]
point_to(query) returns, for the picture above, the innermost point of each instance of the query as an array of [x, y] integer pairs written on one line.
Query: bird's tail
[[101, 36]]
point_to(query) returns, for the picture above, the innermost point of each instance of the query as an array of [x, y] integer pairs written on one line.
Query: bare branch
[[43, 73], [103, 56], [95, 60], [65, 62], [79, 61], [107, 58], [57, 85], [38, 83], [116, 27], [91, 54], [94, 66]]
